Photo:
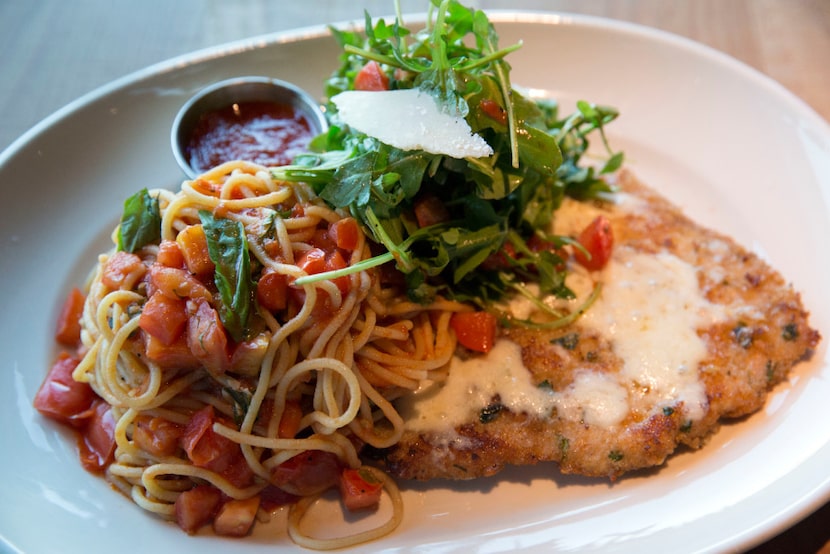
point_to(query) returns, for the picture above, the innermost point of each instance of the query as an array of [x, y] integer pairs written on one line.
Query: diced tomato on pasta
[[163, 317], [345, 233], [193, 245], [122, 270], [359, 489], [196, 507], [62, 398], [208, 449], [310, 472], [272, 290], [176, 355], [236, 517], [156, 435], [292, 414], [97, 444], [475, 330], [206, 336], [176, 283], [68, 331], [170, 254]]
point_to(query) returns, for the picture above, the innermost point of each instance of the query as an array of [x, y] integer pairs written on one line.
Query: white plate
[[736, 150]]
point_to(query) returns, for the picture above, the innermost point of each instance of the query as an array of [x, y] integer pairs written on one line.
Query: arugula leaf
[[140, 222], [228, 249]]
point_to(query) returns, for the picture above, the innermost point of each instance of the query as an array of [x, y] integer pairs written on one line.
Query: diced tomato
[[176, 283], [68, 331], [475, 330], [163, 317], [312, 261], [170, 254], [272, 290], [196, 507], [176, 355], [156, 435], [598, 240], [122, 270], [345, 233], [97, 444], [371, 78], [204, 447], [335, 261], [236, 517], [62, 398], [206, 336], [310, 472], [430, 210], [193, 244], [292, 413], [492, 110], [359, 489], [210, 450]]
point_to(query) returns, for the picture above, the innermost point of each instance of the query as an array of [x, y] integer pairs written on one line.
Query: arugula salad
[[469, 229]]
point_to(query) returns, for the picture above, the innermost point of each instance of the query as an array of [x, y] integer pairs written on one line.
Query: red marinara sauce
[[267, 133]]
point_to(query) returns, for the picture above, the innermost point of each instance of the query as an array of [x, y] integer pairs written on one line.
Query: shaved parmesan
[[409, 120]]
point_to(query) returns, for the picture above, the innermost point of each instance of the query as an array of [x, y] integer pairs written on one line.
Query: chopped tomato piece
[[430, 210], [475, 330], [371, 78], [156, 435], [97, 444], [122, 271], [492, 110], [206, 336], [176, 283], [312, 261], [171, 356], [345, 233], [310, 472], [195, 508], [170, 254], [359, 489], [236, 517], [336, 261], [598, 240], [193, 244], [62, 398], [163, 317], [292, 413], [203, 445], [272, 290], [68, 331]]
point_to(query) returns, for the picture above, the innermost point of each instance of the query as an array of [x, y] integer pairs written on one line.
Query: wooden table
[[54, 51]]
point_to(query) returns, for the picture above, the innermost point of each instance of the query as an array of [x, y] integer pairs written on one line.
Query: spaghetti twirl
[[203, 420]]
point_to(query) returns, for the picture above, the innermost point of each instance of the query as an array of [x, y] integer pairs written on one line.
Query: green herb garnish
[[228, 249], [140, 222], [505, 200]]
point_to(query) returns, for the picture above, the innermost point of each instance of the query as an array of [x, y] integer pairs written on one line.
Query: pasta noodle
[[340, 349]]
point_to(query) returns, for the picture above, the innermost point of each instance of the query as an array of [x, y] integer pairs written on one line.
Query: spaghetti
[[195, 409]]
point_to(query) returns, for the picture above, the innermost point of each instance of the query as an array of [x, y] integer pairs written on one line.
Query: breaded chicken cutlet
[[689, 329]]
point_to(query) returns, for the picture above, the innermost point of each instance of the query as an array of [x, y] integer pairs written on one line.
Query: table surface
[[55, 51]]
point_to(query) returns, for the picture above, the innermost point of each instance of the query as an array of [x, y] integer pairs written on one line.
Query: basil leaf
[[228, 249], [140, 222]]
